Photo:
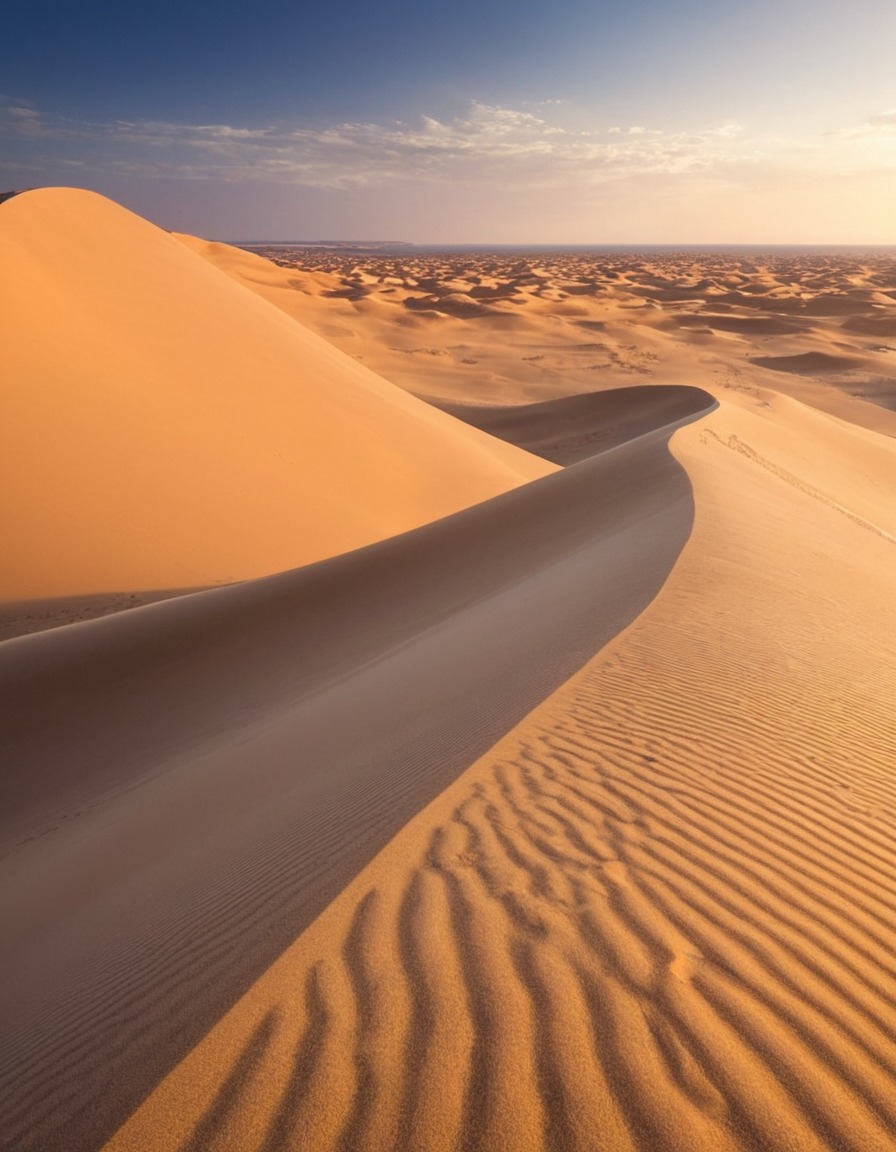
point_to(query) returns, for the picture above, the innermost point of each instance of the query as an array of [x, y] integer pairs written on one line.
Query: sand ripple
[[621, 938]]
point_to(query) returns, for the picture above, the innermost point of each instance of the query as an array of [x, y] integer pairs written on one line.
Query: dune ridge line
[[290, 726]]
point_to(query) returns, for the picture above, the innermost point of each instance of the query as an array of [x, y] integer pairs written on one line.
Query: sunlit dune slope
[[164, 427], [294, 293], [230, 760]]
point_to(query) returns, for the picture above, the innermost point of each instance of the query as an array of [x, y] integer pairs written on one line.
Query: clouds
[[486, 144], [540, 173], [879, 127]]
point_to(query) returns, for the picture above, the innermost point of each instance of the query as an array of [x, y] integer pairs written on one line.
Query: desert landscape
[[448, 695]]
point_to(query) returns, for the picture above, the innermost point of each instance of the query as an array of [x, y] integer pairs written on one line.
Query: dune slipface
[[576, 427]]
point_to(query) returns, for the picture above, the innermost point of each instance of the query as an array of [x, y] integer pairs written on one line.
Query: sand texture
[[560, 821]]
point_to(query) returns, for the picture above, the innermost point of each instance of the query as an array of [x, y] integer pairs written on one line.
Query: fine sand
[[564, 821]]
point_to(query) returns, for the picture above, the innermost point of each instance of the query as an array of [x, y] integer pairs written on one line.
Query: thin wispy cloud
[[492, 171], [881, 126], [487, 143]]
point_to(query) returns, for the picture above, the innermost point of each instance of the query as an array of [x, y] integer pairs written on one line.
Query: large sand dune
[[562, 822], [165, 428]]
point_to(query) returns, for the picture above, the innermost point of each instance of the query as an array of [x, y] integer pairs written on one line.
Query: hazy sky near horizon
[[511, 121]]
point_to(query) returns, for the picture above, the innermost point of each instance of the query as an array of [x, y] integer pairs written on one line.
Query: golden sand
[[164, 428], [818, 327]]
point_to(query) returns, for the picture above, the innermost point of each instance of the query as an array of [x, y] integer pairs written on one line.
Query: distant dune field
[[533, 787], [817, 326]]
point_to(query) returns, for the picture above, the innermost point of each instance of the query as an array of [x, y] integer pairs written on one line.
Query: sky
[[474, 121]]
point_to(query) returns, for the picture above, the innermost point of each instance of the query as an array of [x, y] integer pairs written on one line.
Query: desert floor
[[525, 776]]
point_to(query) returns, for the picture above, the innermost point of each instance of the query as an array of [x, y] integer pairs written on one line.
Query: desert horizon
[[482, 247]]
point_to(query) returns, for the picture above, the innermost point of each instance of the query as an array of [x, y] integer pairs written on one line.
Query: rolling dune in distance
[[813, 325], [552, 805]]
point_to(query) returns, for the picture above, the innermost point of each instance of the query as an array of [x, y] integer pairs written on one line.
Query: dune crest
[[165, 428]]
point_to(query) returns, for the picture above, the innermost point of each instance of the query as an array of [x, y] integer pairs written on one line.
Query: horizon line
[[615, 244]]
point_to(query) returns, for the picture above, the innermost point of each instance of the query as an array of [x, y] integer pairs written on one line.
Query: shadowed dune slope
[[659, 914], [164, 427], [22, 617], [808, 362], [192, 782], [575, 427]]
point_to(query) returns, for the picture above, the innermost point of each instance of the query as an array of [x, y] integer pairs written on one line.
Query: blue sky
[[495, 120]]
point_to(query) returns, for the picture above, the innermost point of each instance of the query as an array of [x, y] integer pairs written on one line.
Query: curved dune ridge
[[575, 427], [808, 362], [234, 757], [165, 428], [659, 914]]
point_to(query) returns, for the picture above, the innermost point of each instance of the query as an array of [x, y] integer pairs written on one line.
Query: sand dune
[[658, 914], [323, 707], [808, 362], [743, 325], [164, 428], [562, 822], [882, 324], [22, 617], [576, 427]]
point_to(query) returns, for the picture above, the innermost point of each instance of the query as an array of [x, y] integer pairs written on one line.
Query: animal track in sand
[[737, 445]]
